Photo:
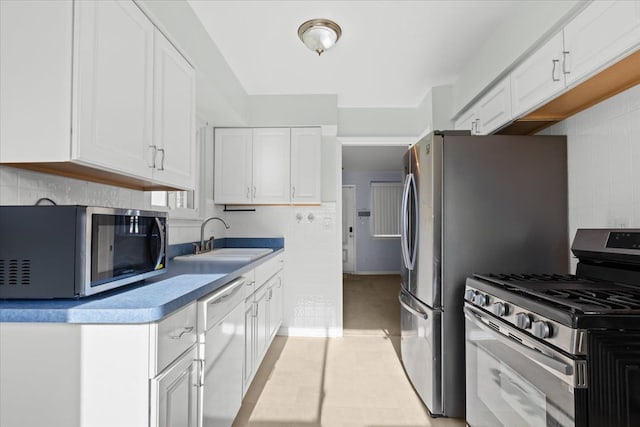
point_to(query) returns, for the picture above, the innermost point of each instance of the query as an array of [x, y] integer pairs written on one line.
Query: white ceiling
[[373, 158], [390, 54]]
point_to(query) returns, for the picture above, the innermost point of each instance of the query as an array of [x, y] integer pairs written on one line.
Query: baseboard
[[289, 331], [374, 273]]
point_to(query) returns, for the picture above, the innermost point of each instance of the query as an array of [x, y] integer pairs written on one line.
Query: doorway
[[371, 253], [348, 228]]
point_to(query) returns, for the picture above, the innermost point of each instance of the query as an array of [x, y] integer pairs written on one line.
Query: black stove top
[[574, 301], [572, 293]]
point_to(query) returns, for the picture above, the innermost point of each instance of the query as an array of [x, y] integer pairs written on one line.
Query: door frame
[[355, 235]]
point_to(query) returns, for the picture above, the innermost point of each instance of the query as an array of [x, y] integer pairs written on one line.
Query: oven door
[[514, 380]]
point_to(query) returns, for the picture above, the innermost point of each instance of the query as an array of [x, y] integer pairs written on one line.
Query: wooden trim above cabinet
[[85, 173], [622, 75]]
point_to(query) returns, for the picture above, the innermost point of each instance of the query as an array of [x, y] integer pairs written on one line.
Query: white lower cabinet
[[174, 393], [276, 295], [263, 317], [176, 372]]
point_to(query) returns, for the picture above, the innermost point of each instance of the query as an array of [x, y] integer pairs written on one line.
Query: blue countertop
[[149, 301]]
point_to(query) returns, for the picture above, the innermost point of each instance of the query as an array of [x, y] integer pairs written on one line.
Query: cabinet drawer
[[265, 271], [172, 336]]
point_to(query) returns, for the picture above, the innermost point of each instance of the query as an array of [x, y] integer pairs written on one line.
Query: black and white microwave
[[77, 251]]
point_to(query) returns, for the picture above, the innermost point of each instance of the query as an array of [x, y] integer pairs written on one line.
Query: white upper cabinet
[[267, 165], [539, 77], [467, 121], [113, 86], [271, 165], [603, 32], [490, 112], [306, 146], [494, 108], [108, 93], [35, 80], [233, 163], [174, 116]]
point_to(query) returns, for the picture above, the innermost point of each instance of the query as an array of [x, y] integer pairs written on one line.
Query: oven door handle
[[550, 362]]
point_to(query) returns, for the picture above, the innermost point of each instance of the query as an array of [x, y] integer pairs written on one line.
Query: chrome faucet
[[209, 246]]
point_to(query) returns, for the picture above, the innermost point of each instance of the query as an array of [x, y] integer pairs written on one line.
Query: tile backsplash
[[24, 187], [604, 163]]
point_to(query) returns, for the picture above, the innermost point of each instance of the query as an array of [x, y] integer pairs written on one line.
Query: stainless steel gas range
[[558, 350]]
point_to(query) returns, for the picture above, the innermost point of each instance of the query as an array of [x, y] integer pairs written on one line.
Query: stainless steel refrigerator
[[472, 204]]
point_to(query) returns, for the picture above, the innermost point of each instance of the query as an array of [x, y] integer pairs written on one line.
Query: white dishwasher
[[221, 354]]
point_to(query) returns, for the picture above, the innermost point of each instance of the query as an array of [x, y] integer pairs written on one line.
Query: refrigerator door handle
[[410, 309], [404, 223], [414, 231]]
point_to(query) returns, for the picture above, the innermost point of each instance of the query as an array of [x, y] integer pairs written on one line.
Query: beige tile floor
[[353, 381]]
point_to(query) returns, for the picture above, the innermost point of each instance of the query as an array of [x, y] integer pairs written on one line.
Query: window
[[386, 198]]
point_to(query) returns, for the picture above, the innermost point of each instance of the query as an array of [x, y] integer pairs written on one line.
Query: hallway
[[352, 381]]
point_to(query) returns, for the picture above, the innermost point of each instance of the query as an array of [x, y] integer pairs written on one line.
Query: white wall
[[313, 267], [604, 163], [221, 100], [374, 255]]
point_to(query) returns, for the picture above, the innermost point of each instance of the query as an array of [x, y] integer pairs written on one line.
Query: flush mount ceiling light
[[319, 34]]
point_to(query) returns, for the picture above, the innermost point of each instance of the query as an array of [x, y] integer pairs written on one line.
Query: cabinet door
[[262, 324], [35, 84], [174, 394], [538, 78], [600, 34], [467, 121], [275, 305], [113, 82], [249, 343], [306, 145], [271, 165], [174, 116], [494, 108], [233, 166]]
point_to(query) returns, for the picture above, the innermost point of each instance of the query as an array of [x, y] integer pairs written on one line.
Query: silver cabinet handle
[[201, 373], [410, 309], [153, 156], [248, 192], [185, 331], [293, 192], [477, 122], [565, 60], [161, 168], [553, 70], [254, 191]]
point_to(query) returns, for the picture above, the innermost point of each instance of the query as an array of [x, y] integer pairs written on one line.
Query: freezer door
[[420, 349]]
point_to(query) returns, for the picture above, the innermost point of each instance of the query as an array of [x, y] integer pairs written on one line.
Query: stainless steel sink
[[227, 255]]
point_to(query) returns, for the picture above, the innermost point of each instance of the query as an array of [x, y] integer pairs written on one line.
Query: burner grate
[[572, 293]]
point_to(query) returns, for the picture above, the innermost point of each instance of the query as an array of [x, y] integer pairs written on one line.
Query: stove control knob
[[523, 320], [500, 309], [480, 300], [541, 329], [469, 294]]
